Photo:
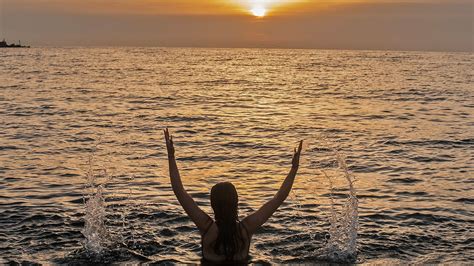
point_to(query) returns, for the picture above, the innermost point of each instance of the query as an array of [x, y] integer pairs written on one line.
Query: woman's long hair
[[224, 202]]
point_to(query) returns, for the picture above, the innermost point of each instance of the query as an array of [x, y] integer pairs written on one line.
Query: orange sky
[[335, 24], [193, 7], [208, 7]]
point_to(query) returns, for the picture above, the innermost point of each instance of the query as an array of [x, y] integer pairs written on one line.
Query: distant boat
[[4, 44]]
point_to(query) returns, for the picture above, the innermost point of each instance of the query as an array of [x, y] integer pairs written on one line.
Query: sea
[[386, 174]]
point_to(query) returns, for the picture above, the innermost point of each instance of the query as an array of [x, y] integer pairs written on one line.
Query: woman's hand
[[258, 218], [169, 143], [200, 218], [296, 156]]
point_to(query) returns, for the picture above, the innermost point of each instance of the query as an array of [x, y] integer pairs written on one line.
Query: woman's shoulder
[[210, 223], [244, 228], [212, 227]]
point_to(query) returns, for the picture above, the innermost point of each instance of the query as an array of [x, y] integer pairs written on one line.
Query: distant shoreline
[[4, 44], [14, 47]]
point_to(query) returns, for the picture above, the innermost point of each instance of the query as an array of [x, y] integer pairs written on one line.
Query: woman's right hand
[[296, 156]]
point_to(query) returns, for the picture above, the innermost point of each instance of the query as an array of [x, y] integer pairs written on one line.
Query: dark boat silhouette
[[4, 44]]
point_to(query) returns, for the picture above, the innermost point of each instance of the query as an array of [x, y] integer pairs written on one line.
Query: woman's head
[[224, 202]]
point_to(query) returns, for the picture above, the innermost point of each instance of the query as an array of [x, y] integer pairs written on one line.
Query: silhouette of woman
[[225, 239]]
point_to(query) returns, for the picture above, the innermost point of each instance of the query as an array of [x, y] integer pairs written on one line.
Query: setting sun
[[259, 11]]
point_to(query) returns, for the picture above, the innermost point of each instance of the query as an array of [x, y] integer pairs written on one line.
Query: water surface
[[404, 121]]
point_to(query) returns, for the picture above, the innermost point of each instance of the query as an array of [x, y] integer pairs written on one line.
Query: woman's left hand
[[169, 143]]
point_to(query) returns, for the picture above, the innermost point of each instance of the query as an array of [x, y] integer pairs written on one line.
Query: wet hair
[[224, 202]]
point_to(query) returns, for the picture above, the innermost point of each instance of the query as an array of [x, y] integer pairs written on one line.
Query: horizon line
[[249, 47]]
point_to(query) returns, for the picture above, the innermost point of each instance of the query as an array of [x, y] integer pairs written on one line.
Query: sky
[[431, 25]]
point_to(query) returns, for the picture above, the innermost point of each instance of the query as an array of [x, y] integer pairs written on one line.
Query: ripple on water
[[406, 180]]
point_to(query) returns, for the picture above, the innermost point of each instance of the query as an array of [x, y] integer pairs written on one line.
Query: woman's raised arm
[[258, 218], [199, 217]]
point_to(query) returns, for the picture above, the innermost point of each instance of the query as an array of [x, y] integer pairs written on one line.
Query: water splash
[[97, 238], [341, 238], [342, 243], [104, 244]]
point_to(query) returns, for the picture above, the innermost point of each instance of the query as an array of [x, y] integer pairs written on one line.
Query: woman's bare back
[[209, 240]]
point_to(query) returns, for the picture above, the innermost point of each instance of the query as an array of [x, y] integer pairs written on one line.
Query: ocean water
[[82, 152]]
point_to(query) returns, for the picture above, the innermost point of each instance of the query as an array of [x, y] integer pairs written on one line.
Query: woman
[[225, 239]]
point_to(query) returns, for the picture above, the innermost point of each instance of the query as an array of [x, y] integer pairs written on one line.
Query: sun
[[259, 11]]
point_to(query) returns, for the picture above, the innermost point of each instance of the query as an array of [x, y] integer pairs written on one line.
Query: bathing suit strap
[[246, 231], [208, 227], [248, 237], [211, 222]]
